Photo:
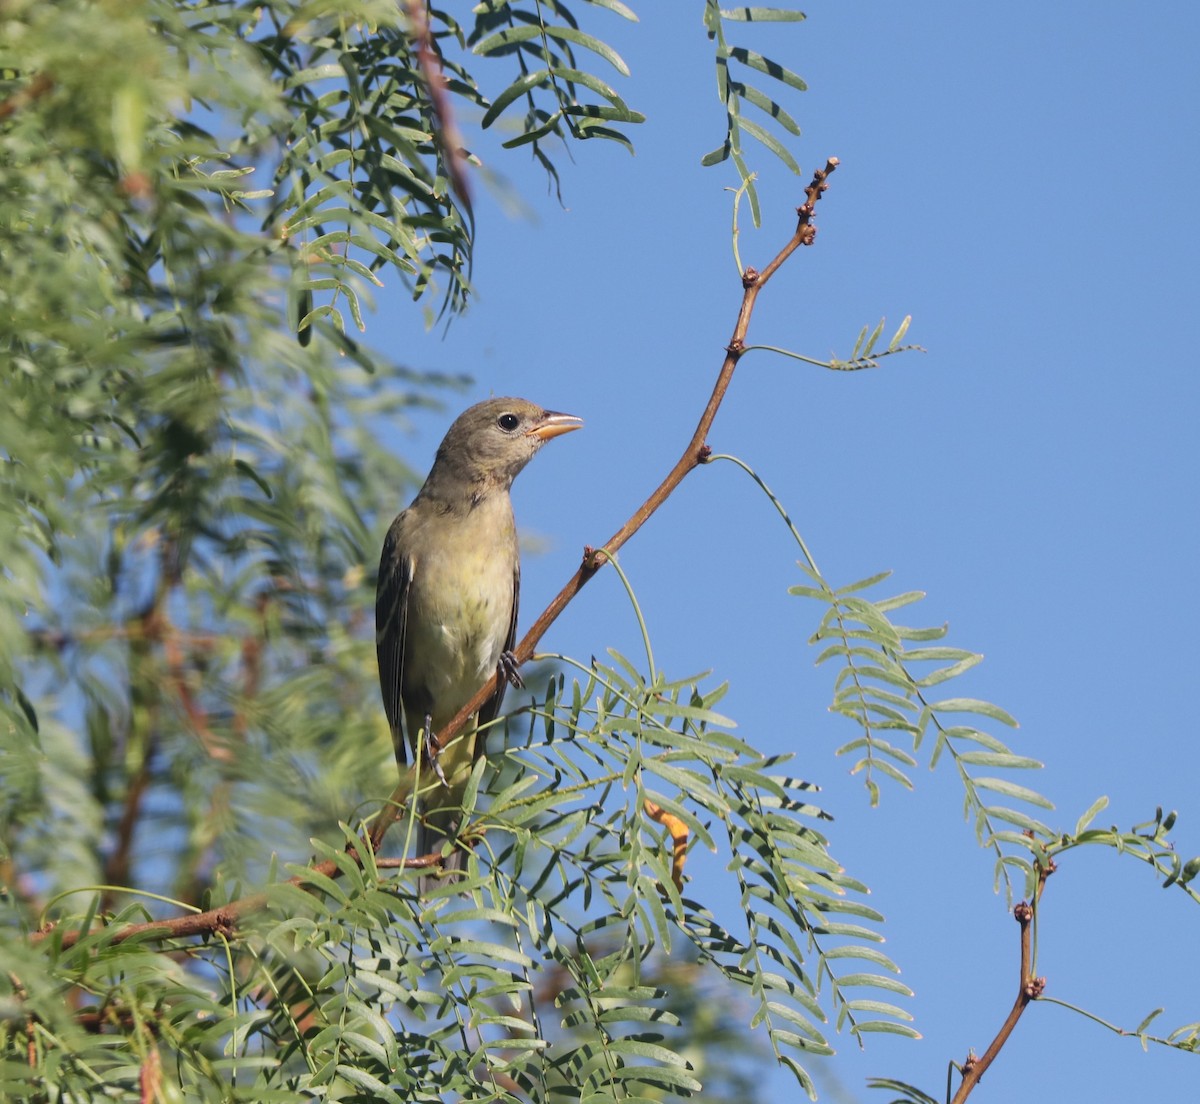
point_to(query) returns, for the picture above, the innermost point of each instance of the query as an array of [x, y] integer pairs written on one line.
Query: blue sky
[[1020, 181]]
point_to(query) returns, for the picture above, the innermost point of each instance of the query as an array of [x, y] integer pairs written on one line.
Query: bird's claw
[[508, 669], [433, 749]]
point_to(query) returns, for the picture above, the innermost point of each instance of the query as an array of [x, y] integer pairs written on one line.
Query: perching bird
[[446, 607]]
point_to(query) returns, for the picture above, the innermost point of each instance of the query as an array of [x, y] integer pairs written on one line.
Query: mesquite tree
[[194, 201]]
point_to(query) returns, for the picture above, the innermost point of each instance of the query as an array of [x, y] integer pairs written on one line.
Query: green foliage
[[866, 353], [192, 498], [190, 517], [736, 67], [885, 677], [545, 41]]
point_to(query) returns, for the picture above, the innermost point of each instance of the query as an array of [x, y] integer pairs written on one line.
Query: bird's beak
[[553, 424]]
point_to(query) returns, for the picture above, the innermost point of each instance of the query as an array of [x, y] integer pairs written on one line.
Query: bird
[[446, 605]]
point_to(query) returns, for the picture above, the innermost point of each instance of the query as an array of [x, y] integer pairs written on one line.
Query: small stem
[[1028, 989]]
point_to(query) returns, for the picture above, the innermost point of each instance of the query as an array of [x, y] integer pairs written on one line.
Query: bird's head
[[491, 442]]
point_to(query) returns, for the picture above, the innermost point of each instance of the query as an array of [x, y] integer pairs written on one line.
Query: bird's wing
[[391, 623], [490, 709]]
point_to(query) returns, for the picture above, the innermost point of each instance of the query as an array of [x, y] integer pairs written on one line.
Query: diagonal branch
[[695, 453], [223, 920]]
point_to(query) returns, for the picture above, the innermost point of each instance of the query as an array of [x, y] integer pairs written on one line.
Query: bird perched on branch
[[446, 607]]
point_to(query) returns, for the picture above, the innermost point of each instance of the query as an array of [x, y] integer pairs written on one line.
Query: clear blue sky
[[1021, 180]]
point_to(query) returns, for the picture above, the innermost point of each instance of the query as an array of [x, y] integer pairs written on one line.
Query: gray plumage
[[446, 607]]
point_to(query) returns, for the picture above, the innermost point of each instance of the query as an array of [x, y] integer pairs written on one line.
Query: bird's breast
[[461, 605]]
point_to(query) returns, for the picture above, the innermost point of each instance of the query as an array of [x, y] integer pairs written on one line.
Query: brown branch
[[1028, 989], [23, 97], [117, 866], [694, 454], [224, 920], [446, 134]]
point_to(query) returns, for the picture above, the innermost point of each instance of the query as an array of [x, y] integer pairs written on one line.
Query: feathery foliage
[[194, 199]]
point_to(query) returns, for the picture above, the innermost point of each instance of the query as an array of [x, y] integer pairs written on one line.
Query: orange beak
[[553, 424]]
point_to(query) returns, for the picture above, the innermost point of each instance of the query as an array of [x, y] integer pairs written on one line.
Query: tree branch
[[223, 920], [23, 97], [694, 454], [1029, 989]]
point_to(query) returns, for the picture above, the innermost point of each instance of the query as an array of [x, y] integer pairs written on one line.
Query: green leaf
[[886, 1027], [1148, 1021], [617, 8], [1011, 789], [715, 157], [772, 143], [536, 134], [862, 584], [511, 35], [764, 103], [763, 15], [766, 65], [1097, 806], [522, 86], [992, 759], [973, 705]]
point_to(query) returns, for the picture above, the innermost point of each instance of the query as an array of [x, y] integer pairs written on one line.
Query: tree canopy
[[196, 201]]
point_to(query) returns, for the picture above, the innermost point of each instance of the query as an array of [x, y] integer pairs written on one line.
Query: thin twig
[[224, 919], [447, 134], [1028, 989]]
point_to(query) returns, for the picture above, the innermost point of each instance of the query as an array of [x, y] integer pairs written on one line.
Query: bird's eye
[[508, 422]]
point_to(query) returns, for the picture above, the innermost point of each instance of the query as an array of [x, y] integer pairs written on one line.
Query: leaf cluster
[[192, 501], [736, 67]]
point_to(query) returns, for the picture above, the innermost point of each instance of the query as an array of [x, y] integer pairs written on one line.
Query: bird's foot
[[508, 669], [433, 749]]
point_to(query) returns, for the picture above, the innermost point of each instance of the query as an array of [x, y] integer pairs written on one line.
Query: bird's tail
[[436, 827]]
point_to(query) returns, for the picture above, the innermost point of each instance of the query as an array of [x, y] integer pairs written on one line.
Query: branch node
[[736, 347], [1035, 987], [702, 456], [750, 277], [1022, 912]]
